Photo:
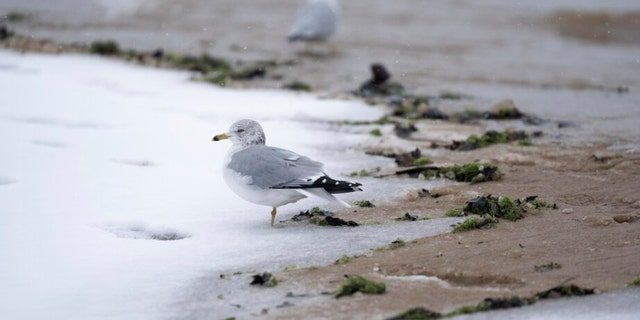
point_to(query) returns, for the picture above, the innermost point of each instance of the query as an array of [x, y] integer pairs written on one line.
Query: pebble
[[621, 218], [567, 210], [598, 221], [504, 104]]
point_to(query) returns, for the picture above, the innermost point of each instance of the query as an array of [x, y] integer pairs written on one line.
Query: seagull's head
[[244, 132]]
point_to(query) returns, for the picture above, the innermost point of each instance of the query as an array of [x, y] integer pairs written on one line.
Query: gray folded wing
[[270, 167]]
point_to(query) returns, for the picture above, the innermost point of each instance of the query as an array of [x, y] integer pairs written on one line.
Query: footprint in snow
[[140, 231], [49, 143], [133, 162], [87, 125], [51, 121], [7, 180]]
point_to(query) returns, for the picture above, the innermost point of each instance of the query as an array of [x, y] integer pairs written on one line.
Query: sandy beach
[[555, 63]]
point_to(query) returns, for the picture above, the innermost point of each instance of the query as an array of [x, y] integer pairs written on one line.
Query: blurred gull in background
[[315, 21]]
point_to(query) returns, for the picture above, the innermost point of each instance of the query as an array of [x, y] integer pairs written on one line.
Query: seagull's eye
[[240, 130]]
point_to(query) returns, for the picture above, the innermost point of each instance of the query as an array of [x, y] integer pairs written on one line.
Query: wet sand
[[582, 235], [492, 52]]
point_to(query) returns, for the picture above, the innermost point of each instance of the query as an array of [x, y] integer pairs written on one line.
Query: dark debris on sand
[[496, 303], [264, 279], [323, 218]]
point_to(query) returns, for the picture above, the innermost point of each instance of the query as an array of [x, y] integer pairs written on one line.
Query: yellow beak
[[220, 137]]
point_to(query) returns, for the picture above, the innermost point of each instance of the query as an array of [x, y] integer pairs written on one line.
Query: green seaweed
[[364, 204], [417, 314], [15, 16], [490, 209], [547, 267], [404, 129], [321, 221], [361, 173], [635, 282], [407, 159], [265, 279], [565, 290], [505, 113], [407, 217], [490, 137], [468, 115], [365, 173], [375, 132], [398, 243], [290, 267], [533, 203], [474, 172], [297, 86], [471, 172], [105, 48], [525, 143], [354, 283], [322, 218], [509, 209], [422, 160], [257, 70], [497, 303], [218, 78], [475, 223], [203, 64], [451, 96], [314, 212], [345, 259], [456, 212], [331, 221], [404, 159], [317, 210], [491, 304], [395, 244], [417, 107], [497, 207]]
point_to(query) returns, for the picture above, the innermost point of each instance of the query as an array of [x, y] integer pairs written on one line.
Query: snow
[[112, 199]]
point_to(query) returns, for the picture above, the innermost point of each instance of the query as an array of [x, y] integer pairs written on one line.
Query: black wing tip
[[336, 186], [327, 183]]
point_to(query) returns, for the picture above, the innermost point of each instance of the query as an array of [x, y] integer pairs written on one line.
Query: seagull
[[315, 21], [273, 176]]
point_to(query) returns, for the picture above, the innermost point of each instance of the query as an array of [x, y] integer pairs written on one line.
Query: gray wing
[[270, 167], [315, 20]]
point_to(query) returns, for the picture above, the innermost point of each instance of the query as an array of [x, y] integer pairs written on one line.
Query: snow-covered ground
[[101, 160]]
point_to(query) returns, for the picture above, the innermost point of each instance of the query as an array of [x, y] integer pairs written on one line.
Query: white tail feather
[[321, 193]]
